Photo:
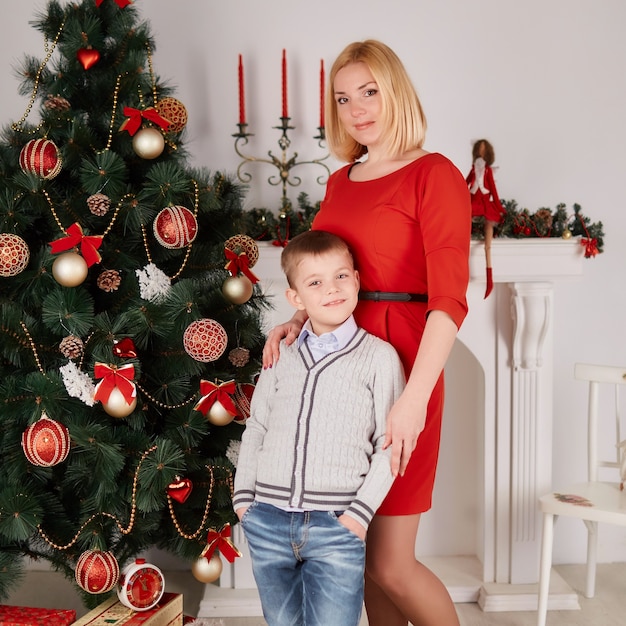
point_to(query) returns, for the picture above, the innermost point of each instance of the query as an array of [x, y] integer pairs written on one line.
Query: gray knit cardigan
[[315, 433]]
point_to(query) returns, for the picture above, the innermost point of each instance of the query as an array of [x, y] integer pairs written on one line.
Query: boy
[[312, 467]]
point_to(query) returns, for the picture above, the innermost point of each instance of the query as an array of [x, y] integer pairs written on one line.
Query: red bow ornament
[[135, 116], [120, 3], [591, 247], [212, 393], [239, 263], [74, 237], [113, 376], [220, 541]]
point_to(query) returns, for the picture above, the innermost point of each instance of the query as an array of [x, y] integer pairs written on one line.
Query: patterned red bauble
[[242, 398], [175, 227], [245, 244], [174, 112], [14, 255], [46, 442], [205, 340], [41, 157], [97, 571]]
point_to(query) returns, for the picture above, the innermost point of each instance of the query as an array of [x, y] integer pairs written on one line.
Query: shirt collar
[[342, 334]]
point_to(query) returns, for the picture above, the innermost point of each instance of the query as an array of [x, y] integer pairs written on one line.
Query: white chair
[[594, 501]]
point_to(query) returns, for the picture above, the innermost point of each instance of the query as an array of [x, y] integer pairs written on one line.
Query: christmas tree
[[130, 328]]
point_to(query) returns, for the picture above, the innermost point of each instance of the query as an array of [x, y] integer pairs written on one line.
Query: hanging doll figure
[[485, 200]]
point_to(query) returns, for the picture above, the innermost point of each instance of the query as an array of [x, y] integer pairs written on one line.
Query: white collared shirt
[[327, 343]]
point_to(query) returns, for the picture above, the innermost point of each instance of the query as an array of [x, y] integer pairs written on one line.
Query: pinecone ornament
[[109, 280], [99, 204], [71, 347], [57, 103], [239, 357]]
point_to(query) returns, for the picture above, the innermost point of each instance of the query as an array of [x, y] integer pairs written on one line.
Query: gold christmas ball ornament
[[116, 405], [174, 112], [237, 289], [70, 269], [14, 255], [148, 143], [567, 234], [245, 244], [218, 415], [207, 570]]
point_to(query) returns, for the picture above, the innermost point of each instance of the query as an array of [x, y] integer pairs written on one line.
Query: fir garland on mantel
[[518, 223]]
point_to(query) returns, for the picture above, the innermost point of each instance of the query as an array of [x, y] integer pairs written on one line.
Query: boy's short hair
[[311, 242]]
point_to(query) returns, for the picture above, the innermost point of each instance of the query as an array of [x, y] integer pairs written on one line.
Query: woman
[[406, 215]]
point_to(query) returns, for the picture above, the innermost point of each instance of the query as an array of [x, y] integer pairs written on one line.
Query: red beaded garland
[[97, 571], [41, 157], [46, 442], [14, 254], [205, 340], [175, 227]]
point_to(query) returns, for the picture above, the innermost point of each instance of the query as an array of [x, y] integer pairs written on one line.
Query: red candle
[[322, 93], [242, 102], [285, 112]]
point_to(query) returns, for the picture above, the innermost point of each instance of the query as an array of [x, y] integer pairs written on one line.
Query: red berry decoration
[[175, 227], [97, 571], [41, 157], [46, 442], [14, 255], [205, 340]]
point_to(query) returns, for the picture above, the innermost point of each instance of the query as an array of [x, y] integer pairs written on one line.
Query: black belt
[[392, 296]]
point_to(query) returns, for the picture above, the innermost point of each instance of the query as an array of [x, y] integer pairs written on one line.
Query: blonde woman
[[406, 215]]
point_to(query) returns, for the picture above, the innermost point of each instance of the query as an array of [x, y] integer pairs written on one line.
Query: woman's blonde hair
[[402, 115]]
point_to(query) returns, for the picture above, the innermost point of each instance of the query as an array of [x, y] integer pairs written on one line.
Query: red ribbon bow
[[135, 116], [120, 3], [88, 244], [220, 541], [591, 247], [113, 376], [239, 263], [212, 393]]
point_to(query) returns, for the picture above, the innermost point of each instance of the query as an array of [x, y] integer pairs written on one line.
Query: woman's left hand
[[405, 422]]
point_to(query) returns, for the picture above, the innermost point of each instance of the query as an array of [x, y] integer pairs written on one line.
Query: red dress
[[409, 231], [484, 195]]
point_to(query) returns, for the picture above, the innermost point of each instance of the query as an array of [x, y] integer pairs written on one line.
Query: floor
[[608, 608]]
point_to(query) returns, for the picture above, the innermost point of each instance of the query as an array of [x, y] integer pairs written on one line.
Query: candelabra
[[282, 163]]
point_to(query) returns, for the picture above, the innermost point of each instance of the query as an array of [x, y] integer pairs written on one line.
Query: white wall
[[542, 79]]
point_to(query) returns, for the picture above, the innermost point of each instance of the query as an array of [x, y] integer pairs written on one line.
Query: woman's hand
[[241, 511], [405, 422], [288, 331]]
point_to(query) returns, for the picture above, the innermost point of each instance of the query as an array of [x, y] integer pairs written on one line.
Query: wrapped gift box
[[30, 616], [168, 612]]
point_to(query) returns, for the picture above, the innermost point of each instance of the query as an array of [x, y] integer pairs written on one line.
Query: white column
[[531, 422]]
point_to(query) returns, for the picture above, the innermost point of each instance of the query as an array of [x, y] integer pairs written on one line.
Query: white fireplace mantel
[[510, 336]]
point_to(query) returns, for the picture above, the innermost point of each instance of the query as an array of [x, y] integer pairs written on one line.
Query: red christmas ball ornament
[[14, 255], [41, 157], [46, 442], [97, 571], [245, 244], [242, 398], [174, 112], [175, 227], [205, 340]]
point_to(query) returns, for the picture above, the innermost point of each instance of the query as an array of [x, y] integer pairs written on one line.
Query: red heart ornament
[[88, 57], [180, 490]]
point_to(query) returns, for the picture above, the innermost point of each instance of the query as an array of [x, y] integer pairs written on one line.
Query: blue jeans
[[308, 567]]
